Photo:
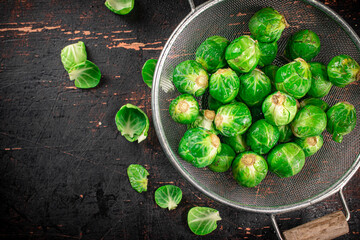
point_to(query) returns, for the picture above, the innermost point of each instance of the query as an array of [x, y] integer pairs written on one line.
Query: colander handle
[[325, 228], [192, 5]]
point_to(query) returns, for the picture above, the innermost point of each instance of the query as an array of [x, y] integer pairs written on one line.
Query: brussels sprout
[[121, 7], [309, 121], [85, 74], [294, 78], [343, 70], [310, 145], [267, 25], [190, 77], [138, 177], [168, 196], [320, 85], [262, 136], [211, 53], [304, 44], [249, 169], [279, 108], [202, 220], [243, 54], [132, 122], [73, 54], [237, 143], [205, 120], [254, 87], [233, 119], [184, 109], [268, 52], [224, 85], [256, 113], [341, 120], [213, 104], [286, 160], [270, 71], [315, 102], [199, 147], [223, 160], [148, 70], [285, 133]]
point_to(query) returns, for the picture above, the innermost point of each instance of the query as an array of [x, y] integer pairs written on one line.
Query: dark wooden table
[[63, 163]]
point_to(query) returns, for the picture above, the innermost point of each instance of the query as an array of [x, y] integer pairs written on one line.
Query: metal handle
[[192, 5]]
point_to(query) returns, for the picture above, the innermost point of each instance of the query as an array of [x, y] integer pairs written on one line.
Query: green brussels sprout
[[315, 102], [190, 77], [147, 71], [132, 122], [256, 113], [202, 220], [121, 7], [310, 145], [286, 160], [254, 87], [320, 85], [309, 121], [294, 78], [233, 119], [73, 54], [279, 108], [205, 120], [85, 74], [341, 120], [270, 71], [262, 136], [249, 169], [343, 70], [224, 85], [267, 25], [237, 143], [268, 52], [285, 133], [304, 44], [138, 177], [199, 147], [184, 109], [213, 104], [243, 54], [168, 196], [223, 160], [211, 53]]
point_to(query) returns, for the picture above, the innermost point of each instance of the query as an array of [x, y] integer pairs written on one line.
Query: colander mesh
[[230, 19]]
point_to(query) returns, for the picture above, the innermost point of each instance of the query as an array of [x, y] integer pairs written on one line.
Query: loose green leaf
[[121, 7], [148, 70], [73, 54], [202, 220], [168, 196], [85, 74], [138, 177]]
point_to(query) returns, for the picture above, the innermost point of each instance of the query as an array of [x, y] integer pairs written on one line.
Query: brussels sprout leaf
[[168, 196], [73, 54], [138, 177], [121, 7], [85, 74], [148, 70], [202, 220]]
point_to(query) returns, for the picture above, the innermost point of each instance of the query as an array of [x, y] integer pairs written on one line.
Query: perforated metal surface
[[325, 172]]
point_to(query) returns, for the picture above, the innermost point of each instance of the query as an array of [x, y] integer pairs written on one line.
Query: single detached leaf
[[168, 196], [138, 177], [132, 122], [85, 74], [148, 70], [202, 220], [121, 7], [73, 54]]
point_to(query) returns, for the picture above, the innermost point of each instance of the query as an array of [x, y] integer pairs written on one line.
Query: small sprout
[[199, 147], [285, 133], [341, 120], [190, 77], [304, 44], [343, 70], [279, 108], [202, 220], [315, 102], [233, 119], [85, 74], [249, 169], [121, 7], [262, 136], [148, 70], [205, 120], [224, 85], [320, 85], [254, 87], [132, 122], [238, 143], [223, 160], [267, 25], [211, 53], [310, 145], [73, 54], [243, 54], [286, 160], [268, 52], [270, 71], [184, 109], [309, 121], [168, 196], [138, 177], [294, 78]]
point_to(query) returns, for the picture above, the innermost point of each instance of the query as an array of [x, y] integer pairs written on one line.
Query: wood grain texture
[[63, 163]]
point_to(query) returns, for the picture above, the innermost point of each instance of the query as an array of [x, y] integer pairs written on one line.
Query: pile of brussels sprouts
[[254, 121]]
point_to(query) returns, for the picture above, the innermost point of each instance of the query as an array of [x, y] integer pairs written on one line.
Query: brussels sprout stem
[[218, 120], [285, 22], [215, 141], [201, 81], [278, 98], [312, 141], [209, 115], [183, 106], [248, 160], [337, 137]]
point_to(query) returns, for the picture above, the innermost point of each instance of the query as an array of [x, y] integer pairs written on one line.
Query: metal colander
[[324, 173]]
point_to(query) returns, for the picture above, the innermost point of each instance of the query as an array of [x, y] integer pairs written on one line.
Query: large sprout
[[315, 102], [310, 145], [237, 143], [285, 133], [224, 85], [341, 120], [320, 84], [262, 136], [205, 120], [190, 77], [343, 70], [309, 121], [184, 109], [223, 160], [268, 52], [304, 44], [270, 71]]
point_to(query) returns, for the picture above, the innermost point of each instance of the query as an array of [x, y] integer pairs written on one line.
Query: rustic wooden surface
[[63, 163]]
